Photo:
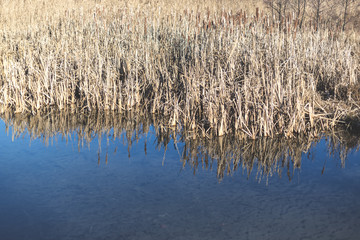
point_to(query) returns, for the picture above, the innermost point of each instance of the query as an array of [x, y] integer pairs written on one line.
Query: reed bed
[[263, 157], [208, 69]]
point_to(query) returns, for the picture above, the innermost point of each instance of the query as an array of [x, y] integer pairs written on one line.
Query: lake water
[[62, 178]]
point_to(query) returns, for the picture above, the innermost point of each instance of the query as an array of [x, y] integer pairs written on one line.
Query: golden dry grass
[[213, 67]]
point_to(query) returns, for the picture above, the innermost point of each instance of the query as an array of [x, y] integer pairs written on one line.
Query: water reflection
[[227, 154]]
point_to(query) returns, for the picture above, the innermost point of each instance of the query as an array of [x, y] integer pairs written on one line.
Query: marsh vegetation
[[214, 68]]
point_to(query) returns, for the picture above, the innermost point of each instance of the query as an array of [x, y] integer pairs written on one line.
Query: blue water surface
[[60, 191]]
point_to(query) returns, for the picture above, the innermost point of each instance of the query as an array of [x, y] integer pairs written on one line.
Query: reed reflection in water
[[265, 156], [56, 192]]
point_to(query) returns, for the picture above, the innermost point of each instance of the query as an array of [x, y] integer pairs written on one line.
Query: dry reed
[[207, 68]]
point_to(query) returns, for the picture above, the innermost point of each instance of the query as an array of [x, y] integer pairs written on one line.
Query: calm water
[[53, 188]]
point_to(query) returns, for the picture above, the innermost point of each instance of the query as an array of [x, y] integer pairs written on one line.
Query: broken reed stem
[[211, 71]]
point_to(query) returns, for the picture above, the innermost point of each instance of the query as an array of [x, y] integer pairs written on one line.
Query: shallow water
[[53, 189]]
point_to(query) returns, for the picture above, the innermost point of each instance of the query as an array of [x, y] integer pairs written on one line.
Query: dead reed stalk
[[232, 77]]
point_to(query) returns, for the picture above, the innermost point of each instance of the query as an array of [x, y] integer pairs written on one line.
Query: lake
[[102, 176]]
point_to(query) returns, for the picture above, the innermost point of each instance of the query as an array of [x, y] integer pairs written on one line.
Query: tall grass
[[210, 69]]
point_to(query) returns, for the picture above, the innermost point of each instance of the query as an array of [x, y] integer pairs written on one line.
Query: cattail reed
[[208, 69]]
